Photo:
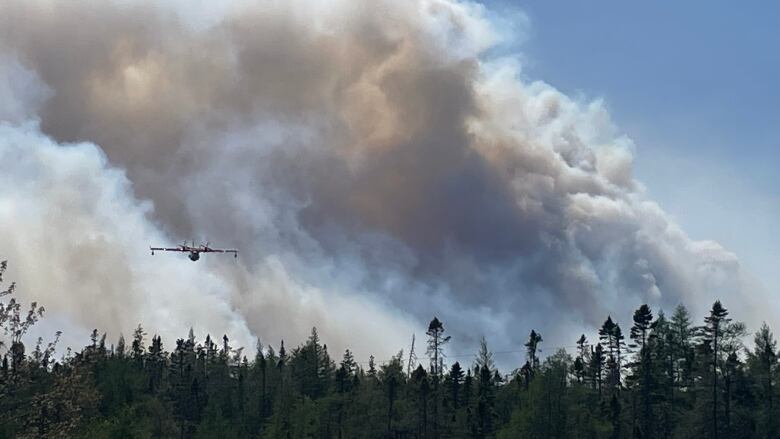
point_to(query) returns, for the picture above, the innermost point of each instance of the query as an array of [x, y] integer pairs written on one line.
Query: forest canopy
[[664, 377]]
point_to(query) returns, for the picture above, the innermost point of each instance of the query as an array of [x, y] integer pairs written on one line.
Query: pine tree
[[640, 333], [607, 336], [763, 364], [661, 343], [581, 361], [436, 342], [597, 368], [619, 350], [531, 346], [612, 337], [713, 332], [682, 346], [679, 384], [721, 337]]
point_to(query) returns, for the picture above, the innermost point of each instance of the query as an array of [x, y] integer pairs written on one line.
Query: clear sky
[[694, 85]]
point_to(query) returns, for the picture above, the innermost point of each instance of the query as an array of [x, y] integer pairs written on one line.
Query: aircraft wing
[[167, 249], [216, 250], [188, 249]]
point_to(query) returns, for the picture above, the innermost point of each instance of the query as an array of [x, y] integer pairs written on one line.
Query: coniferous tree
[[619, 351], [484, 356], [485, 410], [662, 372], [311, 367], [155, 363], [763, 365], [611, 337], [392, 378], [422, 387], [607, 336], [682, 346], [614, 411], [581, 361], [531, 347], [597, 368], [456, 381], [679, 384], [371, 367], [720, 338], [643, 372], [436, 342], [120, 347], [260, 369], [138, 344], [712, 334]]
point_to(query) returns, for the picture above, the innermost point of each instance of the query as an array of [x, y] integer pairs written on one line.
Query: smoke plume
[[372, 163]]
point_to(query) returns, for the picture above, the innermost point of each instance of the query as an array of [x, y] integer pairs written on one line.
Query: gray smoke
[[371, 163]]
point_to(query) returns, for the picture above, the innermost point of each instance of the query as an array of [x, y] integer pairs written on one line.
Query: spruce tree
[[137, 347], [422, 389], [392, 378], [456, 381], [484, 356], [682, 345]]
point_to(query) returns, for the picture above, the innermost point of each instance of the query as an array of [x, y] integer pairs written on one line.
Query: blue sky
[[694, 85]]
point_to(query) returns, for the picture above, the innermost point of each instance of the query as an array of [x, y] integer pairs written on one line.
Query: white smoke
[[371, 166]]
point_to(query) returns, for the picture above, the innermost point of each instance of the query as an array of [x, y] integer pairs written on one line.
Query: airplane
[[194, 252]]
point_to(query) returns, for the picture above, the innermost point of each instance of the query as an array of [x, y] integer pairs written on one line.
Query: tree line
[[667, 378]]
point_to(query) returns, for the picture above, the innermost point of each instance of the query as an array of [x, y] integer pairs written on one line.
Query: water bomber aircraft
[[194, 252]]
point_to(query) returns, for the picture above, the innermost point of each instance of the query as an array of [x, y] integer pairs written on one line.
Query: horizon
[[489, 164]]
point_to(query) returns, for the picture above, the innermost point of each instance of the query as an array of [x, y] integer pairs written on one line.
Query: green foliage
[[673, 381]]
